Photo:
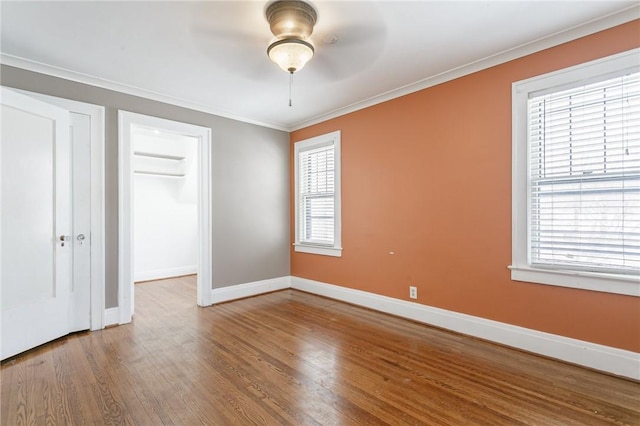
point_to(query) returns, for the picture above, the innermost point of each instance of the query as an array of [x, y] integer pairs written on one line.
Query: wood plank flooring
[[291, 358]]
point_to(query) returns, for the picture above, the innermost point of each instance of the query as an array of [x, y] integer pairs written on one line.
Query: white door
[[36, 226]]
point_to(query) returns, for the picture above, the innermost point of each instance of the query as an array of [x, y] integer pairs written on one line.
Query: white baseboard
[[111, 316], [604, 358], [225, 294], [158, 274]]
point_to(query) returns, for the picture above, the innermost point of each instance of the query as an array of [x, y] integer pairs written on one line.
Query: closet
[[165, 223]]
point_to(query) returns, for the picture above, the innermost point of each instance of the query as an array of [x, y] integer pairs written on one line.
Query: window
[[317, 195], [576, 177]]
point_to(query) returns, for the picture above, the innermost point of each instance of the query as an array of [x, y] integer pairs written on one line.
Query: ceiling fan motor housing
[[291, 18]]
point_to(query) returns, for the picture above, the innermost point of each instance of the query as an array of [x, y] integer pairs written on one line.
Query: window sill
[[325, 251], [608, 283]]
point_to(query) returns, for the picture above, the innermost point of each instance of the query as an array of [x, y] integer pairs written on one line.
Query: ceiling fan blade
[[216, 35], [357, 47], [352, 34]]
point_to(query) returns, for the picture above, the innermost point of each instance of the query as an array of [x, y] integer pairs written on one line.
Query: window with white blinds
[[576, 176], [584, 163], [317, 183], [317, 192]]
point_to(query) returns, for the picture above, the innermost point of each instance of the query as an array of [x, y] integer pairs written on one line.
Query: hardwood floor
[[291, 358]]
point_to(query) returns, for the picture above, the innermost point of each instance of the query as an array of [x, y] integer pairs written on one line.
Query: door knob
[[80, 238]]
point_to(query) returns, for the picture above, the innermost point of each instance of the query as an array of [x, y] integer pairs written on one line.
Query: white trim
[[329, 139], [241, 291], [326, 251], [617, 18], [96, 115], [521, 269], [91, 80], [127, 120], [583, 280], [158, 274], [125, 220], [592, 355], [604, 358], [205, 218], [111, 317]]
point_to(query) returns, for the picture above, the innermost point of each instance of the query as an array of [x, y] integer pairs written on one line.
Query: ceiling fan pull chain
[[290, 84]]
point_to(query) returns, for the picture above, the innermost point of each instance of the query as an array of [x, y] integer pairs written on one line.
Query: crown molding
[[91, 80], [609, 21]]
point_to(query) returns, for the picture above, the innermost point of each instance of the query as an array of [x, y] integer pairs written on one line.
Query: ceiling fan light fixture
[[291, 21], [290, 54]]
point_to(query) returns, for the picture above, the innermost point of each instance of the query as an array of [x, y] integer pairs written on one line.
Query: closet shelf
[[144, 172], [159, 156]]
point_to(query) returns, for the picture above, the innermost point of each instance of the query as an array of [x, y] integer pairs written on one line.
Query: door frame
[[126, 122], [96, 115]]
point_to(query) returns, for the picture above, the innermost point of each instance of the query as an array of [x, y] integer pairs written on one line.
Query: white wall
[[165, 218]]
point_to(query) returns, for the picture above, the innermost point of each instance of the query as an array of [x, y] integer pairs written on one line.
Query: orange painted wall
[[428, 176]]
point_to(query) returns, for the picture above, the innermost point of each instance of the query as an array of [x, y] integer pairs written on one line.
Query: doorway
[[165, 205], [130, 124]]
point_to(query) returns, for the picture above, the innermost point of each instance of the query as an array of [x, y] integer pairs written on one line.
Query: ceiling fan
[[292, 23], [341, 37]]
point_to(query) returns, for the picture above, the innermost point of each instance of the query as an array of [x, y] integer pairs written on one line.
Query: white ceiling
[[211, 55]]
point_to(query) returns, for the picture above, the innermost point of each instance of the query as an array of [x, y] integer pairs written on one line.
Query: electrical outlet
[[413, 292]]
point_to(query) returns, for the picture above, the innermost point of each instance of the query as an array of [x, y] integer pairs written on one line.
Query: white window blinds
[[317, 195], [584, 177]]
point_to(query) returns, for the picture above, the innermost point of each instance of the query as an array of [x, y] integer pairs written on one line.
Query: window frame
[[329, 139], [521, 267]]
